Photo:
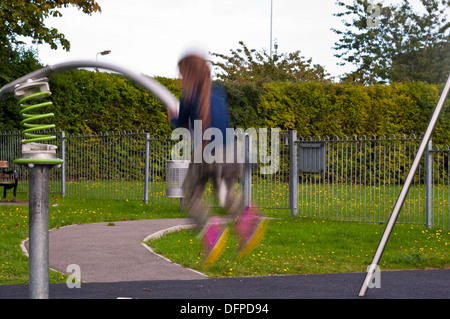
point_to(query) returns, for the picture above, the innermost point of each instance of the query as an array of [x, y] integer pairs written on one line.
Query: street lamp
[[102, 53], [271, 13], [106, 52]]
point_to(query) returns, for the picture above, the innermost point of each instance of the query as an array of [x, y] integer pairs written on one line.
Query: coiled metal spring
[[33, 127]]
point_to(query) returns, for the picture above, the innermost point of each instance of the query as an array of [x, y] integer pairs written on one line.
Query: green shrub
[[337, 109], [87, 102]]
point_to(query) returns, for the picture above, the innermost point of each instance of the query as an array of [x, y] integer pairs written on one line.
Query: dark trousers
[[224, 177]]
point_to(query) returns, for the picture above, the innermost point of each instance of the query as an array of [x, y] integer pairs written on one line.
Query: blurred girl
[[205, 104]]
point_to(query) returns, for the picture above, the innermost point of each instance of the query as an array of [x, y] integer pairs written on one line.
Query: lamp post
[[271, 13], [105, 52], [102, 53]]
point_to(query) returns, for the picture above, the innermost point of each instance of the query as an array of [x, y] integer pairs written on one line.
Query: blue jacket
[[218, 111]]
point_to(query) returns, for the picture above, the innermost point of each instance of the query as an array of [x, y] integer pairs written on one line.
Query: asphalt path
[[115, 264], [408, 284]]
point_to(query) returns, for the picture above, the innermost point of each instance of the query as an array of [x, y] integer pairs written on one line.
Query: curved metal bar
[[148, 83]]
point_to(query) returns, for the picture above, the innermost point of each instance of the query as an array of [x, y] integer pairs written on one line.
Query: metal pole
[[404, 191], [293, 173], [429, 183], [39, 158], [63, 165], [246, 183], [147, 158], [38, 228], [271, 14]]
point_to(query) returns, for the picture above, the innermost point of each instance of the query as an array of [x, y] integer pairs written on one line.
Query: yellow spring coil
[[32, 137]]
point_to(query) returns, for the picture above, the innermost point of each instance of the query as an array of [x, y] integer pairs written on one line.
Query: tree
[[249, 66], [21, 61], [20, 18], [395, 42]]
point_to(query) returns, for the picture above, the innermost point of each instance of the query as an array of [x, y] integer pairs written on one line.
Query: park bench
[[8, 175]]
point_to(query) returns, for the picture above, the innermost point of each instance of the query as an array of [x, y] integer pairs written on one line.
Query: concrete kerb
[[163, 233]]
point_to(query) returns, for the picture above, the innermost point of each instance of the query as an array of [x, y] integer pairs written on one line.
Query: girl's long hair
[[196, 81]]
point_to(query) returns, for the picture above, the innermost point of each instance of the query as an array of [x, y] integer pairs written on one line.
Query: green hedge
[[320, 109], [86, 101]]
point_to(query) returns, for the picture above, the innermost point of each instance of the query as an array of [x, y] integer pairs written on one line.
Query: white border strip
[[163, 233]]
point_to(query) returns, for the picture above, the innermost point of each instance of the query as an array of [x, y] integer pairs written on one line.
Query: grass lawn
[[337, 201], [291, 245], [305, 246]]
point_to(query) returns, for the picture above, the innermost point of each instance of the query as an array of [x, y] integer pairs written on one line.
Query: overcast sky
[[149, 36]]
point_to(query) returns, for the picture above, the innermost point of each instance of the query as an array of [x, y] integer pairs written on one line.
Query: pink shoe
[[214, 240], [251, 227]]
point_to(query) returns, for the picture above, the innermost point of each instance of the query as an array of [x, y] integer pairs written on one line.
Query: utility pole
[[271, 14]]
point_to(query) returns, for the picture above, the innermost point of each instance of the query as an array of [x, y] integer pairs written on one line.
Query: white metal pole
[[271, 14], [404, 191]]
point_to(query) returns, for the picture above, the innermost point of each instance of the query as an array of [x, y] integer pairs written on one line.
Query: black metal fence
[[342, 178]]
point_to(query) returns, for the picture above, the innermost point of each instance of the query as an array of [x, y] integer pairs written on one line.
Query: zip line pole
[[404, 191]]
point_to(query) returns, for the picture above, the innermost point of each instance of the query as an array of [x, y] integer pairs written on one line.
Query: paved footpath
[[116, 253]]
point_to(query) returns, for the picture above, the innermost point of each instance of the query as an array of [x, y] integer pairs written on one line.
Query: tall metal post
[[271, 16], [38, 231], [247, 174], [39, 162], [147, 160], [404, 191], [429, 183], [293, 173], [63, 168], [39, 159]]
